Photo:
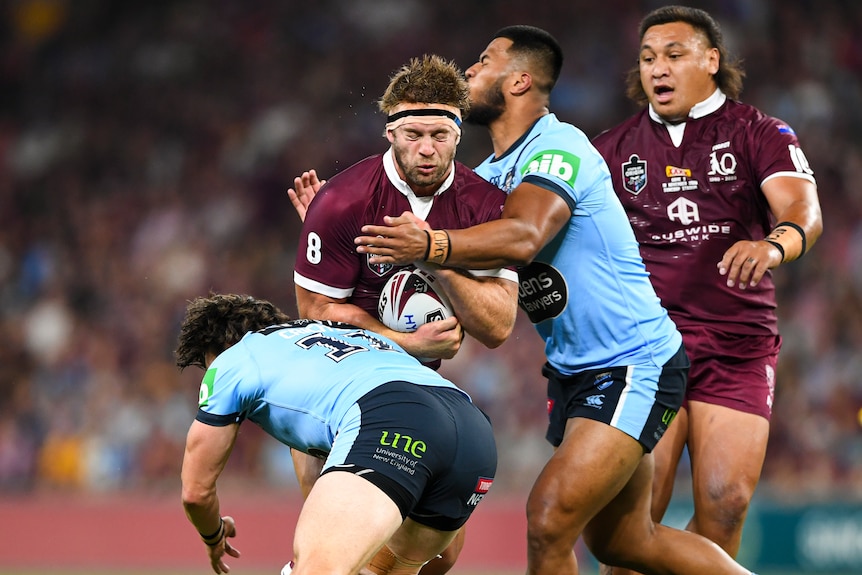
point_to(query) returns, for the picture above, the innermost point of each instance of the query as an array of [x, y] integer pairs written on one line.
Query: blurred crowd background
[[145, 153]]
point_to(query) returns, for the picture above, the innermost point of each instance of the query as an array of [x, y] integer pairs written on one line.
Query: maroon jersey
[[327, 262], [689, 203]]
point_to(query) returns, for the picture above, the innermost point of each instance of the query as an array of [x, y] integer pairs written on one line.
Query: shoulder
[[760, 128], [467, 181], [560, 137], [748, 115], [360, 171], [615, 132], [350, 188]]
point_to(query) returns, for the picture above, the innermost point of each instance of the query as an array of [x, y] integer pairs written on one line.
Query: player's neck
[[510, 126]]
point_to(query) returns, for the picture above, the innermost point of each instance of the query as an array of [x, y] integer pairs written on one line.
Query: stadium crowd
[[145, 154]]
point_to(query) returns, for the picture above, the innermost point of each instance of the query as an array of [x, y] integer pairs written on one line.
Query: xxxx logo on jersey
[[557, 163]]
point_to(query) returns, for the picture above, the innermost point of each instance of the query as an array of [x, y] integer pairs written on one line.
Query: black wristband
[[217, 535], [779, 246], [427, 246], [799, 229]]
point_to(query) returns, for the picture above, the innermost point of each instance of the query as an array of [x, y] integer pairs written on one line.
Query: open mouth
[[663, 93]]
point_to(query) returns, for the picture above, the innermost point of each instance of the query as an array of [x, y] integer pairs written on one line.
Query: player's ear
[[390, 135], [713, 59], [521, 82]]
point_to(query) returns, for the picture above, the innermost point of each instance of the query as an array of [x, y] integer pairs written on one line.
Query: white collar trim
[[419, 205], [699, 110]]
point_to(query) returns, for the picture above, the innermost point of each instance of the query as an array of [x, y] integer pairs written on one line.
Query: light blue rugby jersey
[[297, 381], [587, 292]]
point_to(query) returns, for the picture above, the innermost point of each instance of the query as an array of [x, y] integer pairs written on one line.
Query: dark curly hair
[[427, 80], [730, 72], [214, 323]]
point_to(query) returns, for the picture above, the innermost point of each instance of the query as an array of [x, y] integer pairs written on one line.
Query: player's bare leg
[[590, 467], [666, 456], [442, 564], [623, 533], [407, 551], [344, 521], [727, 451]]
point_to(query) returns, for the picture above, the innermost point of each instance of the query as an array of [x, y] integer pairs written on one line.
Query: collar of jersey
[[699, 110]]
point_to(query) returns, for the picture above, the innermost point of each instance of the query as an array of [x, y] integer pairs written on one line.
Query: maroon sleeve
[[774, 148], [326, 254]]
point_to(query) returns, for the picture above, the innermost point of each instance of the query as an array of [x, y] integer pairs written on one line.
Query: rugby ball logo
[[412, 298]]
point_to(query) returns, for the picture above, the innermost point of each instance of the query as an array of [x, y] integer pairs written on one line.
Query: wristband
[[438, 247], [216, 536], [427, 246], [799, 229], [779, 246]]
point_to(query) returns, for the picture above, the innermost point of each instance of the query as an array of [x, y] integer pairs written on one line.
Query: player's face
[[676, 69], [485, 79], [424, 154]]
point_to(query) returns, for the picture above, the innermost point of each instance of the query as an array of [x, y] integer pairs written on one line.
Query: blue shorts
[[428, 448], [639, 400]]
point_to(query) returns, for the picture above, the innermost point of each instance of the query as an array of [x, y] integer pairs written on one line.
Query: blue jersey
[[587, 292], [298, 380]]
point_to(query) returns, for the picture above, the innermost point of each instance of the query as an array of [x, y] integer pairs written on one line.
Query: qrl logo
[[557, 163]]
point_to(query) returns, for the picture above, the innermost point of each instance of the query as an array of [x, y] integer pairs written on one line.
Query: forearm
[[485, 306], [202, 511], [496, 244], [355, 315], [795, 233]]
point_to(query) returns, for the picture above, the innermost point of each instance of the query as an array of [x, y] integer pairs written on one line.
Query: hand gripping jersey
[[327, 262], [587, 291], [298, 380], [690, 200]]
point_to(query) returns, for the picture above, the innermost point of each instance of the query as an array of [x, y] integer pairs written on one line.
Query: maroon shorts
[[735, 371]]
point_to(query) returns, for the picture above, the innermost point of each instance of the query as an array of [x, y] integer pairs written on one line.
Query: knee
[[543, 516], [727, 504]]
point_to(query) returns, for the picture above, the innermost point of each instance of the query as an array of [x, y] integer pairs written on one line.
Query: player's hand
[[435, 340], [401, 241], [305, 188], [217, 552], [746, 262]]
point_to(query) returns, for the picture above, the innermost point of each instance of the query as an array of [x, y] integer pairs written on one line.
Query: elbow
[[492, 341], [522, 254], [498, 334], [816, 230], [496, 341], [196, 497], [523, 251]]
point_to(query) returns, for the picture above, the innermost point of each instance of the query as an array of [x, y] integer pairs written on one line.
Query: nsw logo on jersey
[[558, 163], [634, 175]]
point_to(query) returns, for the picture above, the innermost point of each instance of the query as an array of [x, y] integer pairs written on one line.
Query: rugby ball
[[412, 298]]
